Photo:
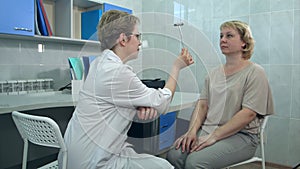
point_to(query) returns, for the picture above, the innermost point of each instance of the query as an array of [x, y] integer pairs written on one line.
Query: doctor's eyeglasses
[[137, 35]]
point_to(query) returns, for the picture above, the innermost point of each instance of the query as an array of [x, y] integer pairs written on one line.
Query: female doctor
[[111, 96]]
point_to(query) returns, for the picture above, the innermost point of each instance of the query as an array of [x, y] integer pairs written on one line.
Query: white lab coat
[[97, 132]]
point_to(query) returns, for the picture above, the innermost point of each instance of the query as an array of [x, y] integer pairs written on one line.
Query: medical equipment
[[180, 32]]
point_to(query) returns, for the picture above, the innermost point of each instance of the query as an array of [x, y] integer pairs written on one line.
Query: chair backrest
[[39, 130], [261, 139], [263, 126], [264, 123]]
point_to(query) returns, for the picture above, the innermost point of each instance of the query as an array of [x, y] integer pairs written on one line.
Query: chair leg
[[263, 160], [297, 166], [65, 159], [25, 152], [262, 147]]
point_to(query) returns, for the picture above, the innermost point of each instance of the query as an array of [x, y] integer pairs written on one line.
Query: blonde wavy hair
[[245, 33]]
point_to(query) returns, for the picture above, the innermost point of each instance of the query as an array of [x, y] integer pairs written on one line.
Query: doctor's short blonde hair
[[112, 24], [245, 34]]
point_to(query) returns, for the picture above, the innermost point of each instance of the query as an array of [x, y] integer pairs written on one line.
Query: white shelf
[[50, 39], [86, 3]]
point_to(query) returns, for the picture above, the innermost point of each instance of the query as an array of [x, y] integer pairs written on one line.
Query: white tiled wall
[[20, 60], [276, 29]]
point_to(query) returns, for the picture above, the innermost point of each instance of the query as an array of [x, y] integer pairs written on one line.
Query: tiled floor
[[256, 166], [37, 163], [251, 166]]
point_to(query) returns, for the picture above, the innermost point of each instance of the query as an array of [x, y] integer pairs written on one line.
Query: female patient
[[236, 96], [111, 96]]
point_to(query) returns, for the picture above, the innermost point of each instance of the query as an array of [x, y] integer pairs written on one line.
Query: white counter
[[9, 103]]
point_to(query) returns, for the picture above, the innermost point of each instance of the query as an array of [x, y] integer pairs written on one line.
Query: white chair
[[41, 131], [261, 138]]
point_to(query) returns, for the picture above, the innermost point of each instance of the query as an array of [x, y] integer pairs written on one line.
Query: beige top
[[227, 95]]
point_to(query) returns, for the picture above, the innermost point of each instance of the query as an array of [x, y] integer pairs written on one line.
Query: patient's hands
[[145, 113], [189, 142], [204, 141], [186, 141]]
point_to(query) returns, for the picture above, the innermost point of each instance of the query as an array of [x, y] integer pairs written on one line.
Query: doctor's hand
[[184, 59], [145, 113]]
